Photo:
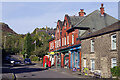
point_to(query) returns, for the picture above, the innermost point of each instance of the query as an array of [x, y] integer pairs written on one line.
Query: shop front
[[75, 58]]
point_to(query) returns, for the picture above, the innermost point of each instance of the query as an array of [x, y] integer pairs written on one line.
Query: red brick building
[[67, 44]]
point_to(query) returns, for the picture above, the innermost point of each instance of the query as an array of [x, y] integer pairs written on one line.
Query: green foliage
[[115, 71], [24, 44], [34, 58], [28, 46]]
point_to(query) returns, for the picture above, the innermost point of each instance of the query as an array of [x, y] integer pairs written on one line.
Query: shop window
[[113, 41], [113, 62]]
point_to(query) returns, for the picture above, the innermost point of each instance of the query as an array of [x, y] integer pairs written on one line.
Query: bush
[[34, 58], [115, 71]]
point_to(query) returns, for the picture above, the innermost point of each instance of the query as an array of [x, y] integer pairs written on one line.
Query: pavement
[[77, 74]]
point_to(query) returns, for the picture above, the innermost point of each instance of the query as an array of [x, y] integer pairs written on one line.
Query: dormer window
[[65, 24]]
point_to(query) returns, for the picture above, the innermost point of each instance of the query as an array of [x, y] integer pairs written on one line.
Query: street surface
[[32, 71]]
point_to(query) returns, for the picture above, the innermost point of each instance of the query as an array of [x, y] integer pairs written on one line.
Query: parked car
[[7, 59], [27, 61], [14, 62]]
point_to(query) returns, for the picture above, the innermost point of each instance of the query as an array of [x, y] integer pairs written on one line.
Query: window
[[92, 45], [92, 65], [113, 41], [84, 62], [59, 42], [51, 45], [62, 41], [55, 44], [67, 39], [113, 62], [72, 38], [65, 24]]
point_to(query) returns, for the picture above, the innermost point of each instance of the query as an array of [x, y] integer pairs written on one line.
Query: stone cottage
[[101, 50]]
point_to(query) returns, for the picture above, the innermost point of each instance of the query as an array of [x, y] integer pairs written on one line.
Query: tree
[[28, 46]]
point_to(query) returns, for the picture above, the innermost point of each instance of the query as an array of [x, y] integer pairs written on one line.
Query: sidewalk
[[8, 76], [69, 71]]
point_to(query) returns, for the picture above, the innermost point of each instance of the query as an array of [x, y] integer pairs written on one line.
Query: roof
[[60, 23], [75, 19], [112, 28], [96, 21]]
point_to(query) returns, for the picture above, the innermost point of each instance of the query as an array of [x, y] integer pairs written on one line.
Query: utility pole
[[4, 41], [35, 45]]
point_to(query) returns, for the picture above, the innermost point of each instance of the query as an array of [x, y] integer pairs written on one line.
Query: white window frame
[[62, 41], [113, 62], [68, 39], [92, 62], [113, 42], [65, 40], [84, 63], [92, 45], [72, 38]]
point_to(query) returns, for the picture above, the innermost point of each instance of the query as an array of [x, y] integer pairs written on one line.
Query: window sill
[[113, 49], [92, 52]]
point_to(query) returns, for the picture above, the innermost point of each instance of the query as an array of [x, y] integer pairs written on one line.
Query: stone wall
[[102, 53]]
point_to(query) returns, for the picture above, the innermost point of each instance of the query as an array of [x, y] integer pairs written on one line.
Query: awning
[[75, 48], [52, 53]]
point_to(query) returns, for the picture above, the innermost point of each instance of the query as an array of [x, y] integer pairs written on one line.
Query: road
[[35, 71]]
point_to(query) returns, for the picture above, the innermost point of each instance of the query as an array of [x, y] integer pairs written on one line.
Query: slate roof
[[60, 23], [112, 28], [96, 21], [75, 19]]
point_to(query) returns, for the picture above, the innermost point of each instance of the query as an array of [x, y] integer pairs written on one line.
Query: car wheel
[[12, 65]]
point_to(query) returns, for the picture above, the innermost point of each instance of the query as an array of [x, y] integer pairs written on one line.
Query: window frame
[[65, 40], [113, 62], [84, 63], [72, 38], [113, 44], [68, 39], [92, 62], [92, 45]]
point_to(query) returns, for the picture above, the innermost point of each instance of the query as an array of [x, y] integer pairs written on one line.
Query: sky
[[24, 17]]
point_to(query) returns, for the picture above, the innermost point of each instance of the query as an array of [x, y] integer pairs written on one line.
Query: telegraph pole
[[4, 41]]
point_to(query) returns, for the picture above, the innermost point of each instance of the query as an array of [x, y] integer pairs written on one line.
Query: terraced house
[[67, 46], [101, 50]]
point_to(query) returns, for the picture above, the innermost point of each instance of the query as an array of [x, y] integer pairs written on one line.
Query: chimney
[[81, 13], [102, 10]]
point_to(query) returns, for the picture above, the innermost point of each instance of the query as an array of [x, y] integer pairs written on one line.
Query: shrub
[[34, 58], [115, 71]]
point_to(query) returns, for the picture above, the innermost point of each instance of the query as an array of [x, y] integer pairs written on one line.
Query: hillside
[[6, 29]]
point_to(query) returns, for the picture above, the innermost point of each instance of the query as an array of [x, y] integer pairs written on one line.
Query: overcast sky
[[24, 17]]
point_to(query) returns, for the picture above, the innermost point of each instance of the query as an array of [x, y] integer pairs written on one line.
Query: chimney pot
[[81, 13], [102, 10]]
